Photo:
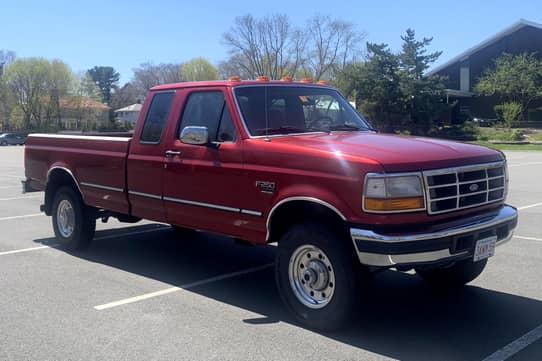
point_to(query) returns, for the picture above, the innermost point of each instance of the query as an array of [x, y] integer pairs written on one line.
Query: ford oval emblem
[[473, 187]]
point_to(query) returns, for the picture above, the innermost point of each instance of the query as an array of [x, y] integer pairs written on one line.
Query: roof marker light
[[322, 82], [262, 78], [235, 78], [306, 80], [286, 78]]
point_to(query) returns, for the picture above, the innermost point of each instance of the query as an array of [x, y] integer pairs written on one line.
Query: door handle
[[172, 153]]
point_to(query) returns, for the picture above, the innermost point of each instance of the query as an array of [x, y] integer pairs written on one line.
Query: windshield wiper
[[282, 129], [345, 127]]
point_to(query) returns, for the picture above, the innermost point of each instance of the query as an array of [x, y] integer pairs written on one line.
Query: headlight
[[393, 193]]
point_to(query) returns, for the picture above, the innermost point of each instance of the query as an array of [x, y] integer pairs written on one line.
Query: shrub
[[508, 112]]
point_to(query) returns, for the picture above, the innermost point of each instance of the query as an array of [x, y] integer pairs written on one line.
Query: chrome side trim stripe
[[148, 195], [201, 204], [251, 213], [99, 186]]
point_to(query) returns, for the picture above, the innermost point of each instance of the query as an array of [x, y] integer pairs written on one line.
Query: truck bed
[[97, 164]]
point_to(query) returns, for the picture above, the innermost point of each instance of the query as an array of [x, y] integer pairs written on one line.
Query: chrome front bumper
[[445, 245]]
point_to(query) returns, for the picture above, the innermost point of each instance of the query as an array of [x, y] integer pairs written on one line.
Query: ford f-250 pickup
[[286, 162]]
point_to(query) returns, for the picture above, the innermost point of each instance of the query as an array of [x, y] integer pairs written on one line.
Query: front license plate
[[485, 248]]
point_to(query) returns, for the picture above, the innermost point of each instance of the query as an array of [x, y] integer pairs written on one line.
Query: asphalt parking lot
[[141, 293]]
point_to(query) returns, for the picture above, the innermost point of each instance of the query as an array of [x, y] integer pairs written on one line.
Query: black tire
[[4, 143], [348, 279], [452, 276], [84, 220]]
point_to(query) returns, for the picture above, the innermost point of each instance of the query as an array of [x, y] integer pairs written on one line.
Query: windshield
[[270, 110]]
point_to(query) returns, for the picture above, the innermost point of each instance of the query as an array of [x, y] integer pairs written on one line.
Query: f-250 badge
[[266, 187]]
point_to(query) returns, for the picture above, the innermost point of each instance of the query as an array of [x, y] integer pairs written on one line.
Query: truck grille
[[458, 188]]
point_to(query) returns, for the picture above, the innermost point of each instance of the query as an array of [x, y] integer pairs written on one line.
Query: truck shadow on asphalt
[[401, 317]]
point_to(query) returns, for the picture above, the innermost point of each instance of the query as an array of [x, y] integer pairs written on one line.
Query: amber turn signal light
[[393, 204]]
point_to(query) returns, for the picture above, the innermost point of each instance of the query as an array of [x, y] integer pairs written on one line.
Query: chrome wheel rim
[[311, 276], [65, 218]]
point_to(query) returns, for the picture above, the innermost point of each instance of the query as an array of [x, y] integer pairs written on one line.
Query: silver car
[[12, 139]]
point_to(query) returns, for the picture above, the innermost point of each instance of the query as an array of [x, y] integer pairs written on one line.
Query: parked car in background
[[12, 139]]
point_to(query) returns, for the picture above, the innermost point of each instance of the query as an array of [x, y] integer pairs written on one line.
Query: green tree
[[374, 84], [59, 83], [198, 69], [392, 90], [27, 79], [514, 79], [105, 78], [422, 95], [85, 89]]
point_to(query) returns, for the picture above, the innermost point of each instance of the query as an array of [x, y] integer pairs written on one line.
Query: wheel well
[[301, 211], [57, 178]]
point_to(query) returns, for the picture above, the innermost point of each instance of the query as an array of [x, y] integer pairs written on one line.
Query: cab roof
[[228, 83]]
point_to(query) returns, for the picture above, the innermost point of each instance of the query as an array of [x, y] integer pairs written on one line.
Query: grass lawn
[[508, 134], [510, 146]]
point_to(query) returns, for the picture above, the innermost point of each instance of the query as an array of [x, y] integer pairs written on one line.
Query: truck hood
[[397, 153]]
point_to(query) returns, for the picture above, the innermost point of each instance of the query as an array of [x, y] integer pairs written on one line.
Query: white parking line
[[12, 176], [522, 164], [15, 198], [97, 238], [25, 250], [24, 216], [529, 206], [515, 346], [183, 287], [529, 238]]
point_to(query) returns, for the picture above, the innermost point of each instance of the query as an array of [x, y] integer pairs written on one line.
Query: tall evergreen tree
[[105, 78]]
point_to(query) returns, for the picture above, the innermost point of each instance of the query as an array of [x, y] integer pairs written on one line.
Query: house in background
[[464, 70], [128, 115], [79, 112]]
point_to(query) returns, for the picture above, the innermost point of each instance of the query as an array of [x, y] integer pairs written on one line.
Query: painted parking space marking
[[9, 187], [22, 250], [523, 164], [23, 216], [530, 206], [517, 345], [529, 238], [182, 287], [16, 198], [11, 176]]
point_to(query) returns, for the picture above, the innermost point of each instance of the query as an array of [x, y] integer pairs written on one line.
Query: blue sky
[[124, 34]]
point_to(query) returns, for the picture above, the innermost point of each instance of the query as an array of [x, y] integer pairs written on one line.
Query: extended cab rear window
[[156, 117]]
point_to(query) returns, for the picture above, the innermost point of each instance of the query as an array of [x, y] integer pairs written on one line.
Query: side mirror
[[195, 135]]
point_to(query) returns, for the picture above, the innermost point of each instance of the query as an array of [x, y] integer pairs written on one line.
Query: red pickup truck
[[286, 162]]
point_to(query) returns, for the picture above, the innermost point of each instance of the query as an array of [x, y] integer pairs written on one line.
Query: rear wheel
[[455, 275], [4, 143], [74, 223], [317, 276]]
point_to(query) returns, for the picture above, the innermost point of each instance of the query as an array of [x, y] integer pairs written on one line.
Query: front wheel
[[317, 276], [74, 223], [455, 275]]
